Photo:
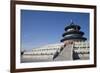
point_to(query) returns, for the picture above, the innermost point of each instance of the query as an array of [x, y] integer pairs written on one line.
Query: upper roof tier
[[72, 25]]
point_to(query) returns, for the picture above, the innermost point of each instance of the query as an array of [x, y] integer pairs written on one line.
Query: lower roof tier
[[73, 38]]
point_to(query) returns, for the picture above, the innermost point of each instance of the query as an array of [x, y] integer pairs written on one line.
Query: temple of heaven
[[72, 32]]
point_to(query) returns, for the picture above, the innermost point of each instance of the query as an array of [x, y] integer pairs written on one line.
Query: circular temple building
[[72, 32]]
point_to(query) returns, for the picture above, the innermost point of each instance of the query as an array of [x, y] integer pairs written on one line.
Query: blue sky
[[39, 28]]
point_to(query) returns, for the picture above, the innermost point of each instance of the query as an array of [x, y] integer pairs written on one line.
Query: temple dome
[[72, 32]]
